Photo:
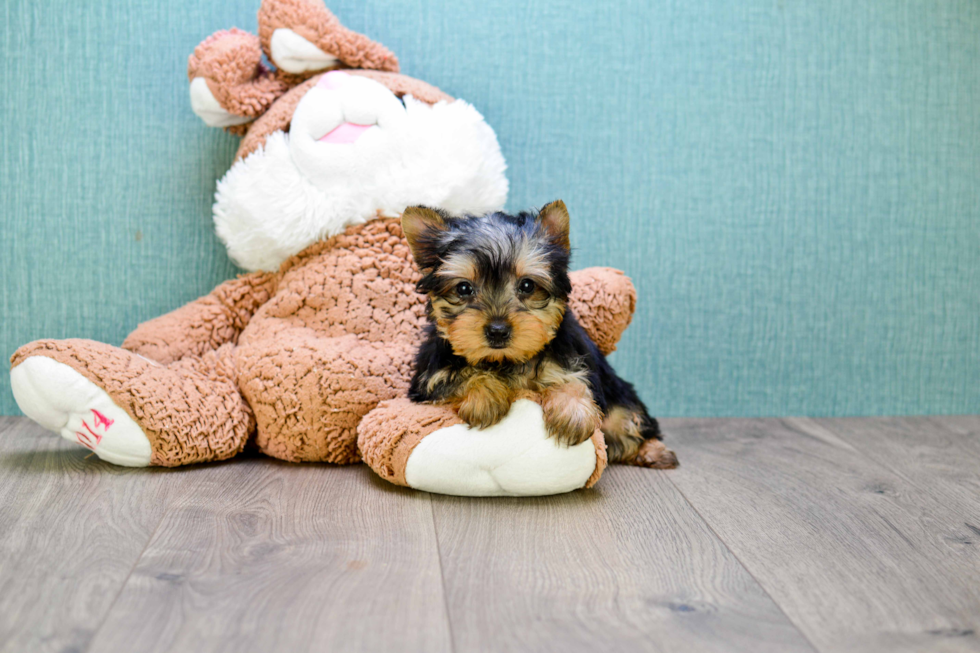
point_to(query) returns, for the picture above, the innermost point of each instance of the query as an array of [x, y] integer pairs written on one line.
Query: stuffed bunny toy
[[309, 354]]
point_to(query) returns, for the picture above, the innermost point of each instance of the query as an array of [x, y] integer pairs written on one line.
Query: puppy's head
[[497, 284]]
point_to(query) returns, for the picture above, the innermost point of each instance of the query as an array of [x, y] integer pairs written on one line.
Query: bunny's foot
[[131, 410], [430, 448], [62, 400]]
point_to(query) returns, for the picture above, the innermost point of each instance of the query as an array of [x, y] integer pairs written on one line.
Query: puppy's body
[[499, 324]]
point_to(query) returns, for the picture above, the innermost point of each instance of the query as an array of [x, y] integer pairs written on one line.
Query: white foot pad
[[62, 400], [514, 457]]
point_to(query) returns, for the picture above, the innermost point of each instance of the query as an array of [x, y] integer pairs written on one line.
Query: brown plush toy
[[309, 355]]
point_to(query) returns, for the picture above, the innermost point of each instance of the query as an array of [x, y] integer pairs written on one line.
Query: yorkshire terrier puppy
[[499, 324]]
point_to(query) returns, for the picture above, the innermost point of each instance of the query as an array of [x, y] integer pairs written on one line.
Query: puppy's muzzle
[[497, 334]]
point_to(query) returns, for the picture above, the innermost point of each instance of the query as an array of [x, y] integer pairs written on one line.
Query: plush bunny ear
[[229, 84], [554, 219], [302, 37]]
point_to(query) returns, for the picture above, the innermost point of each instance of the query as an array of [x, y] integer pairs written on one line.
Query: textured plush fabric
[[606, 299], [206, 323], [792, 186]]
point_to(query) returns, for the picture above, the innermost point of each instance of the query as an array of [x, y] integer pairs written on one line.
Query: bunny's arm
[[204, 324], [603, 300]]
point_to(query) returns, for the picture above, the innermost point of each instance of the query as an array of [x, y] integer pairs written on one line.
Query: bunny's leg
[[309, 393], [130, 410]]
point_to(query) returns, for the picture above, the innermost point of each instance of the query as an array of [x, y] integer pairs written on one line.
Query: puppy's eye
[[464, 289], [526, 287]]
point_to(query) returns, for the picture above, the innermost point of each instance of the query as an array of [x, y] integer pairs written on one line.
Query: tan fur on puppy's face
[[533, 318], [532, 330], [465, 334]]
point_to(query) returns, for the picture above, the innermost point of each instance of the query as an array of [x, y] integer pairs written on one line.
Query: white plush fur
[[297, 190], [515, 457]]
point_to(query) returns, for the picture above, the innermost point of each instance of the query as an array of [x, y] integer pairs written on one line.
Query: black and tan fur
[[499, 324]]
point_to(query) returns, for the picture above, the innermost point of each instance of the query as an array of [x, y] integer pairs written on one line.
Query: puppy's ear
[[554, 219], [422, 227]]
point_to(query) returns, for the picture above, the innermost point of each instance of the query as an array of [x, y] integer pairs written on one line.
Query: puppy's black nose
[[497, 333]]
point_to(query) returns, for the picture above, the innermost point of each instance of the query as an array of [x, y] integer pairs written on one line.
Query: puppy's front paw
[[569, 417], [484, 404]]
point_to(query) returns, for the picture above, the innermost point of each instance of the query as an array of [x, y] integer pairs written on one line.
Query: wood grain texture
[[774, 535], [270, 556], [628, 567], [71, 530], [858, 555], [938, 456]]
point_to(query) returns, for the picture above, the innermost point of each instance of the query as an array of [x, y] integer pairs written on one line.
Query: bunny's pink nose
[[333, 80]]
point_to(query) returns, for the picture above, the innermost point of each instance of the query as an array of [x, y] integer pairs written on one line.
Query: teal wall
[[794, 186]]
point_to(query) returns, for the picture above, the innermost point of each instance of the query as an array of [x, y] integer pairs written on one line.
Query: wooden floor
[[774, 535]]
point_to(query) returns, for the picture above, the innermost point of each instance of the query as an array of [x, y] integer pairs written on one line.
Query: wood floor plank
[[268, 556], [628, 566], [963, 425], [933, 454], [71, 530], [856, 554]]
